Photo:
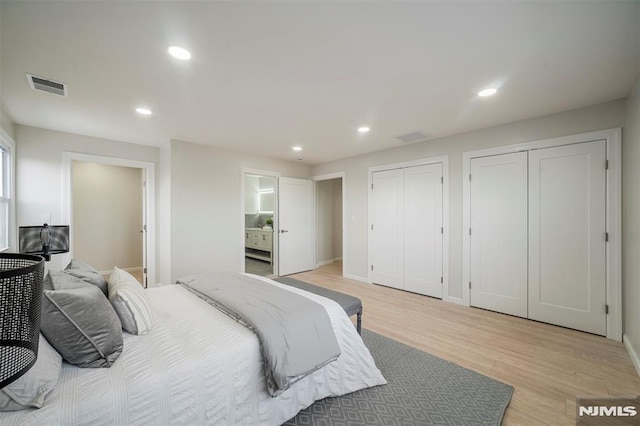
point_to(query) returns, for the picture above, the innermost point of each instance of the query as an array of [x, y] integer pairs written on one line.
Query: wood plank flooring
[[547, 365]]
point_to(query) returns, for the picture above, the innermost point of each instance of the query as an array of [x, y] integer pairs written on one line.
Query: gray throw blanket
[[295, 332]]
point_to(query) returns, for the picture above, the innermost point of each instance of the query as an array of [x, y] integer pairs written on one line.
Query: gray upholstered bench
[[351, 305]]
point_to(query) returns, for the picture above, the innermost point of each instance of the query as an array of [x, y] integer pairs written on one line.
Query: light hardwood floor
[[547, 365]]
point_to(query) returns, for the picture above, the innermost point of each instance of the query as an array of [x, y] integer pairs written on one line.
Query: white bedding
[[197, 366]]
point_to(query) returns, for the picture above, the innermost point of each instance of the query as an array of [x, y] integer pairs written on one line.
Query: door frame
[[331, 176], [444, 159], [613, 261], [148, 170], [276, 216]]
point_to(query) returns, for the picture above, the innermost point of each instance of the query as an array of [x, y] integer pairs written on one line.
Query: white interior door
[[387, 232], [567, 203], [296, 225], [143, 231], [423, 229], [498, 233]]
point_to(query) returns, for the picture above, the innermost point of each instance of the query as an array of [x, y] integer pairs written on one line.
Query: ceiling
[[267, 75]]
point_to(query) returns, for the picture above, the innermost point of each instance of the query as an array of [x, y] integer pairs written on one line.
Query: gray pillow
[[86, 273], [31, 389], [82, 325], [56, 280]]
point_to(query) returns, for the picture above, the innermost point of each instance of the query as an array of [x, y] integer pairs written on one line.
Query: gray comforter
[[295, 333]]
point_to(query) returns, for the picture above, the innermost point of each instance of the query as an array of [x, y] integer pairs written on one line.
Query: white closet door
[[498, 246], [567, 236], [423, 229], [295, 236], [387, 234]]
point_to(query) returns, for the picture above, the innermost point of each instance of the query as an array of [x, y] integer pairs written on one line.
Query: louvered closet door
[[567, 204], [387, 234], [423, 229], [498, 240]]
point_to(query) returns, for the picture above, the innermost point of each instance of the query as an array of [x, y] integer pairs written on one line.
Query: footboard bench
[[351, 305]]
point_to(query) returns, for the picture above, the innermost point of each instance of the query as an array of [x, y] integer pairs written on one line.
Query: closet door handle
[[282, 231]]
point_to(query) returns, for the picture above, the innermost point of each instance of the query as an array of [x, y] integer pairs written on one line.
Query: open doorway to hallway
[[329, 222]]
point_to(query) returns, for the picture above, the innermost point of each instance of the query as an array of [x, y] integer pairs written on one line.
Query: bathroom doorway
[[260, 203]]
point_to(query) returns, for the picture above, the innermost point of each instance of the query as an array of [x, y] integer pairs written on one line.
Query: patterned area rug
[[422, 390]]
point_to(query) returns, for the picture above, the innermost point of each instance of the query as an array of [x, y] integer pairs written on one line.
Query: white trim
[[614, 213], [324, 263], [7, 140], [330, 176], [635, 359], [358, 278], [150, 177], [130, 270], [274, 254], [444, 160], [456, 300]]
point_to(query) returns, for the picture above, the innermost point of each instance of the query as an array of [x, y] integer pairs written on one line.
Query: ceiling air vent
[[45, 85], [416, 136]]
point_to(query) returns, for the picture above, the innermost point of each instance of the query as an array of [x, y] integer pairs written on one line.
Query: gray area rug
[[422, 390]]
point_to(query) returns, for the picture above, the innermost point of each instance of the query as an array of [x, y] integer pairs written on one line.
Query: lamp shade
[[21, 279]]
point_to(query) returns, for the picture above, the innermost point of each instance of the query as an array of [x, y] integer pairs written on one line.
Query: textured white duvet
[[197, 366]]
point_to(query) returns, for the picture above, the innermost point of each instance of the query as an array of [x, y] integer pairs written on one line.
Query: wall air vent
[[42, 84], [416, 136]]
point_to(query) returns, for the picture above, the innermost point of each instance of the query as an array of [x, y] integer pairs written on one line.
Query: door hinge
[[469, 285], [469, 231], [441, 280], [606, 309], [606, 237], [606, 164], [441, 230], [144, 270], [372, 267], [372, 226], [469, 177], [441, 179], [144, 228], [372, 187]]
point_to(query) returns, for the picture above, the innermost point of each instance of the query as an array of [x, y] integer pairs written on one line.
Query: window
[[6, 207]]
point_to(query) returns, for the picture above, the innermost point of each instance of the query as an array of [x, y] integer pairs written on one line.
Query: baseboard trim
[[134, 269], [632, 353], [357, 278], [456, 300], [324, 262]]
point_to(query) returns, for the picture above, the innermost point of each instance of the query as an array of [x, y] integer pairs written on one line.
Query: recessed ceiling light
[[297, 148], [179, 53], [363, 129], [488, 92], [143, 111]]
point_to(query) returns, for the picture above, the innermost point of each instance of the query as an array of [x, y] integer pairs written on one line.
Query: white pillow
[[31, 388], [130, 301]]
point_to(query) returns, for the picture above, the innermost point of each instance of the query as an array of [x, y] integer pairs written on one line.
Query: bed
[[198, 366]]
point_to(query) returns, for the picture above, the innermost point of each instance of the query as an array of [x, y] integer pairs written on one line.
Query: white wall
[[324, 221], [631, 222], [7, 125], [337, 218], [39, 172], [598, 117], [107, 215], [164, 216], [207, 232]]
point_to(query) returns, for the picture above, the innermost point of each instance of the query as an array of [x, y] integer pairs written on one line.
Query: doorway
[[329, 227], [330, 220], [259, 219], [145, 232], [97, 189]]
